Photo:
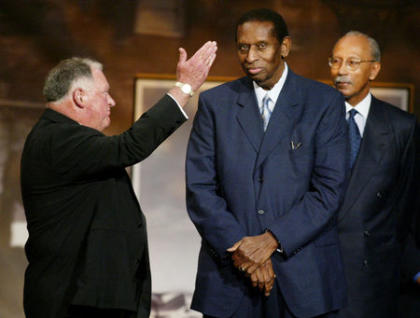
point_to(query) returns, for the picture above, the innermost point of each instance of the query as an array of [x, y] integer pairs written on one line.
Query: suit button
[[366, 233], [261, 212], [365, 262], [260, 179], [379, 195]]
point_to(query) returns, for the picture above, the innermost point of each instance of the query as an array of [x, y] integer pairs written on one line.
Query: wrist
[[185, 88], [278, 247], [273, 242]]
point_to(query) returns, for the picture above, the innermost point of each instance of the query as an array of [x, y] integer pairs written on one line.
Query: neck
[[64, 107], [357, 98]]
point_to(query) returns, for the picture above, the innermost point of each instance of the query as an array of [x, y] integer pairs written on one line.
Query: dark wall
[[35, 34]]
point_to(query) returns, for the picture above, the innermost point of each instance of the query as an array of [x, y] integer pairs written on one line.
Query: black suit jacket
[[373, 220], [87, 235]]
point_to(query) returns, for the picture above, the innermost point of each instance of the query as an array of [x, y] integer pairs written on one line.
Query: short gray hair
[[64, 74], [373, 44]]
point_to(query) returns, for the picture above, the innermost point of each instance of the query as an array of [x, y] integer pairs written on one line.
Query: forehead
[[352, 46], [254, 31], [100, 79]]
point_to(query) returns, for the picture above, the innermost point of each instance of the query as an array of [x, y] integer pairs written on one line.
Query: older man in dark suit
[[87, 246], [374, 220], [266, 173]]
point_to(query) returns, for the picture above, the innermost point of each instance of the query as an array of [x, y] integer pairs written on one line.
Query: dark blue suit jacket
[[373, 220], [290, 179]]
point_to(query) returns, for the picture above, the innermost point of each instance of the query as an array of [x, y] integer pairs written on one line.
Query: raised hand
[[194, 71]]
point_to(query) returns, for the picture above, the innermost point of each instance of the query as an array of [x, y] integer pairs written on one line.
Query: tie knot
[[353, 113], [266, 100]]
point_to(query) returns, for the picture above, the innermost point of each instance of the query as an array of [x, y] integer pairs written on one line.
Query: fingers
[[209, 48], [210, 60], [250, 269], [263, 278], [182, 55], [234, 247], [270, 277]]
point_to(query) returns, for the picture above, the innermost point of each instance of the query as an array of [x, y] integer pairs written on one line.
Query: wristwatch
[[185, 88]]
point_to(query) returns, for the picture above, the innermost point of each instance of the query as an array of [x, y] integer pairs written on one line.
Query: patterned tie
[[266, 111], [354, 136]]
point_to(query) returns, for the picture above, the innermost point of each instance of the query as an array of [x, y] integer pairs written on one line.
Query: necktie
[[354, 136], [266, 111]]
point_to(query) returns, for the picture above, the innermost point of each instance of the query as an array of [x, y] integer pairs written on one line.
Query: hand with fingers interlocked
[[251, 255]]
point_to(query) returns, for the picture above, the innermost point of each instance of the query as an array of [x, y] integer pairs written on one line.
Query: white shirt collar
[[362, 107], [275, 91]]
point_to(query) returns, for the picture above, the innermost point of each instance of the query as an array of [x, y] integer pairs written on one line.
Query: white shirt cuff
[[180, 108]]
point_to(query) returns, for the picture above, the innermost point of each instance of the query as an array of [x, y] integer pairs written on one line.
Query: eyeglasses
[[351, 64]]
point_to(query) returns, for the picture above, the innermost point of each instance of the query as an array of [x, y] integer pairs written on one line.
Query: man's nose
[[252, 55], [342, 70], [111, 101]]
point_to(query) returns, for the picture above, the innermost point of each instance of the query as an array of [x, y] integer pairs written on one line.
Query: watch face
[[186, 88]]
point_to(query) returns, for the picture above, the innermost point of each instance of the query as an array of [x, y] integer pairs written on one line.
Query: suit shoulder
[[316, 87], [395, 114], [225, 89]]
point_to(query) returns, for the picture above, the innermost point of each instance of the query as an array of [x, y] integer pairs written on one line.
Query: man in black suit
[[87, 246], [409, 300], [373, 220]]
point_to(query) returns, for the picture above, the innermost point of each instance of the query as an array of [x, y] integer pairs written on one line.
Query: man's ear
[[286, 46], [79, 97], [374, 70]]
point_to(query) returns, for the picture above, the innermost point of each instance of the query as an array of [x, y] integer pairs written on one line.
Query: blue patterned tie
[[266, 111], [354, 136]]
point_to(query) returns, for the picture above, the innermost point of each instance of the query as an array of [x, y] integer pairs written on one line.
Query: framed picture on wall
[[400, 95], [159, 183]]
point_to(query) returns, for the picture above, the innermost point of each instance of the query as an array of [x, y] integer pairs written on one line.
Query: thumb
[[234, 247], [182, 55]]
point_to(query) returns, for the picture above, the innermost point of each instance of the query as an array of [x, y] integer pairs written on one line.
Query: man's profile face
[[259, 52], [353, 84], [99, 102]]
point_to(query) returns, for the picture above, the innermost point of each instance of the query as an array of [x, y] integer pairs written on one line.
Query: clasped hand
[[251, 255]]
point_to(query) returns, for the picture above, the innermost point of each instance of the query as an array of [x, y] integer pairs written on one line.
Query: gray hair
[[373, 44], [60, 79]]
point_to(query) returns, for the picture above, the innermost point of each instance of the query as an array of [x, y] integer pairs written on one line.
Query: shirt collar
[[362, 107], [275, 91]]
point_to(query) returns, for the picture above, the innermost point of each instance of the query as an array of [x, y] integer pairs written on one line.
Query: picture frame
[[400, 95], [159, 183], [13, 133]]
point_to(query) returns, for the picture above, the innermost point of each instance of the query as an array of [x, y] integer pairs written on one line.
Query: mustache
[[342, 79]]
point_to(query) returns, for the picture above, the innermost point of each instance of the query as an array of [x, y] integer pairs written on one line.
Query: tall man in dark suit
[[266, 170], [87, 246], [373, 220]]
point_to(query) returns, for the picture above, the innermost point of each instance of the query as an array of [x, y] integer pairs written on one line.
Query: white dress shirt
[[362, 112]]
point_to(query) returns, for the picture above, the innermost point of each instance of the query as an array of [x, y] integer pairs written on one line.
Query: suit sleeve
[[207, 208], [79, 151], [315, 212]]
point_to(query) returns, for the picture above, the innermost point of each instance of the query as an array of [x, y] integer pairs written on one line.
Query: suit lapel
[[375, 138], [249, 116], [282, 119]]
